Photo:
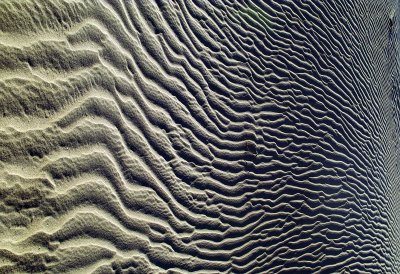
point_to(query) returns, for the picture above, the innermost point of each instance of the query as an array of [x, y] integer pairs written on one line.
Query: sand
[[199, 136]]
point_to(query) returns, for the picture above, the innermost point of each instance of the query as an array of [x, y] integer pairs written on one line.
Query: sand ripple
[[174, 136]]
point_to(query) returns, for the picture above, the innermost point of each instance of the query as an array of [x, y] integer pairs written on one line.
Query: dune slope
[[174, 136]]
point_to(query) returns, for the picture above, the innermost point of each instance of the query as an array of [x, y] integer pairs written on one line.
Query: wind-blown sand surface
[[198, 136]]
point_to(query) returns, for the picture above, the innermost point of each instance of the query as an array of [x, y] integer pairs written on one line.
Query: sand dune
[[199, 136]]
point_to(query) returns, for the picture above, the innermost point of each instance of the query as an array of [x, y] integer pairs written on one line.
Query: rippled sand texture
[[199, 136]]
